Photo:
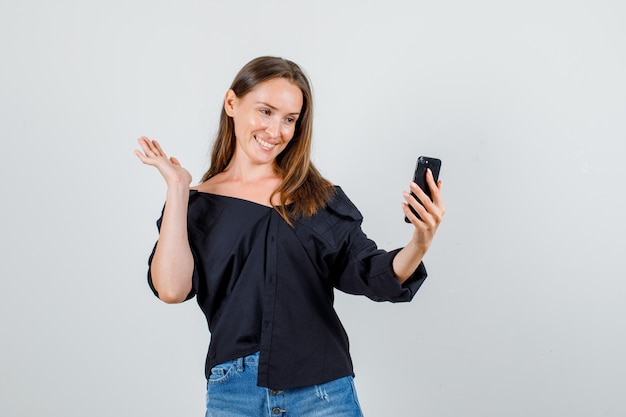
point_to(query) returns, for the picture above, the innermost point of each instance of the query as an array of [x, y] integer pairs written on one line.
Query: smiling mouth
[[264, 144]]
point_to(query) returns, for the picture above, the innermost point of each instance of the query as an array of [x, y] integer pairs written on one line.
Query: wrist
[[177, 188], [415, 248]]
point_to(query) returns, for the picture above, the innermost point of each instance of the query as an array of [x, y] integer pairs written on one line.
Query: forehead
[[279, 93]]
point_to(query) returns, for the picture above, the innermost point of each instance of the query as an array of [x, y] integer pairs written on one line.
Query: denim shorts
[[232, 391]]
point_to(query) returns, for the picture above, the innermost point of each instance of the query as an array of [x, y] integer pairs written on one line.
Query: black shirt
[[265, 286]]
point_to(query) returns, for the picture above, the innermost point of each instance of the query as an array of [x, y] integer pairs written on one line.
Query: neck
[[245, 171]]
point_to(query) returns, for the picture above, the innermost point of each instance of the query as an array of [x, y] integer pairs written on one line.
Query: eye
[[290, 120], [266, 112]]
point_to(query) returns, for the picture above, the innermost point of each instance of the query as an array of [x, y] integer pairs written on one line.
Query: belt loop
[[240, 364]]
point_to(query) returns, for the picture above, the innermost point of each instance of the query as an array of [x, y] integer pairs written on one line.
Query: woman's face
[[265, 118]]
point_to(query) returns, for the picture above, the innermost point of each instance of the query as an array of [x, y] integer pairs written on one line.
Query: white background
[[524, 101]]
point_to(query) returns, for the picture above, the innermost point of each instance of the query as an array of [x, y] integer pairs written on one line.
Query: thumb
[[174, 161]]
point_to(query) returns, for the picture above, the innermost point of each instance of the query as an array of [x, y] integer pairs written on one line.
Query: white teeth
[[264, 144]]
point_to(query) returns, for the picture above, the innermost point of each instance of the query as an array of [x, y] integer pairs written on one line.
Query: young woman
[[263, 241]]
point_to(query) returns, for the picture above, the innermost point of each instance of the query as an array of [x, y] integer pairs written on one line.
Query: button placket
[[276, 400], [268, 301]]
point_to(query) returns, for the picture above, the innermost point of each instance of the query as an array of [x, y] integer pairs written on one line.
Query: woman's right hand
[[170, 168], [172, 264]]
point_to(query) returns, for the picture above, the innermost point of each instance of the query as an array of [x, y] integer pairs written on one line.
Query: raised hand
[[170, 168], [172, 264]]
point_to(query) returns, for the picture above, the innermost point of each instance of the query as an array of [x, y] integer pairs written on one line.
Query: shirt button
[[276, 411], [275, 392]]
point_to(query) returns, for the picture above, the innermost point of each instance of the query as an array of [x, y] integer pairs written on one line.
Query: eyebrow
[[274, 108]]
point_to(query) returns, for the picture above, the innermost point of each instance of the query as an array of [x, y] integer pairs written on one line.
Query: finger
[[140, 155], [153, 147], [419, 193], [145, 159], [411, 201], [417, 222], [174, 161], [437, 198], [409, 213], [430, 180], [149, 151], [142, 141], [158, 148], [146, 146], [430, 214], [433, 202], [440, 204]]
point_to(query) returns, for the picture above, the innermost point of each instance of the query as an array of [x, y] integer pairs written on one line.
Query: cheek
[[254, 122], [243, 126], [288, 132]]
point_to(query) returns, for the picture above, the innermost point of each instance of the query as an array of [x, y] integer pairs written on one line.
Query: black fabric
[[265, 286]]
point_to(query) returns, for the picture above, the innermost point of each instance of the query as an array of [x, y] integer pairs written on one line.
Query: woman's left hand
[[431, 213]]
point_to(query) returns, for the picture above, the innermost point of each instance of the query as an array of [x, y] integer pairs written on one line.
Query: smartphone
[[419, 177]]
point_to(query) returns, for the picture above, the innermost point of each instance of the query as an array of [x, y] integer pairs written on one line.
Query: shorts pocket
[[222, 372]]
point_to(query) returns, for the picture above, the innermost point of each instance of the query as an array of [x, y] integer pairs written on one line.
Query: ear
[[230, 102]]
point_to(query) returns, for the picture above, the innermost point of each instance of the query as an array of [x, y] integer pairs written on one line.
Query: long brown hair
[[302, 184]]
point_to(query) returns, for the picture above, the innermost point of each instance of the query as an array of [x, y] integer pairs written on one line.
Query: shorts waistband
[[252, 359]]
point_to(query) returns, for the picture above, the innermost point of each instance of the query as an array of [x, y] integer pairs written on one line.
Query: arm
[[408, 259], [172, 263], [356, 264]]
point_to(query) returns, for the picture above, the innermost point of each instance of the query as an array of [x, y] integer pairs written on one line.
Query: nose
[[273, 127]]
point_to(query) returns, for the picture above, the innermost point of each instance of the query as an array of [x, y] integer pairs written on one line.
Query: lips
[[264, 144]]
